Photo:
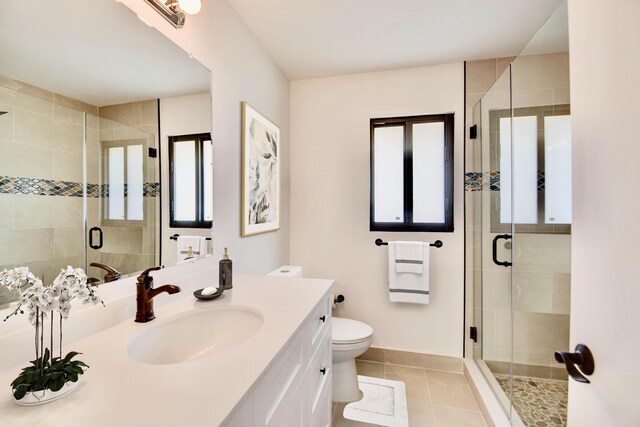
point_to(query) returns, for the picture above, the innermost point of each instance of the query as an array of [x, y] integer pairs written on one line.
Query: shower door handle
[[100, 235], [495, 249]]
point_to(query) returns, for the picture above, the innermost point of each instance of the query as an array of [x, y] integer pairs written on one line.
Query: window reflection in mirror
[[191, 181]]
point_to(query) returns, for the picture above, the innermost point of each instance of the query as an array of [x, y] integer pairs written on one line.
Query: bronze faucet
[[145, 293], [112, 273]]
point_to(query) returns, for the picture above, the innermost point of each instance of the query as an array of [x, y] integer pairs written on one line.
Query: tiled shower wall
[[41, 143], [542, 265], [41, 139]]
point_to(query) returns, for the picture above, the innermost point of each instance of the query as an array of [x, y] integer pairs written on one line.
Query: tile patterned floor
[[539, 402], [434, 398]]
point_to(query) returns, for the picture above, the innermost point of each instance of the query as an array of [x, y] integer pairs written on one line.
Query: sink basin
[[195, 335]]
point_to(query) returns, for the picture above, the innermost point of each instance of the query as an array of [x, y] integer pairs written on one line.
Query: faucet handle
[[144, 278]]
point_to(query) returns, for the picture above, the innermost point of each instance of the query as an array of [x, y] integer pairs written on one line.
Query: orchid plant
[[41, 302]]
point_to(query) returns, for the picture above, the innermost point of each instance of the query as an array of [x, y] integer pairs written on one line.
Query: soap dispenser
[[226, 271]]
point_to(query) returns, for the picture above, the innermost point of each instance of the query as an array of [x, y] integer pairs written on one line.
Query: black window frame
[[408, 224], [199, 222]]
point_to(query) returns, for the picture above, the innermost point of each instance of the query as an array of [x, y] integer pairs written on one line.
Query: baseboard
[[416, 360]]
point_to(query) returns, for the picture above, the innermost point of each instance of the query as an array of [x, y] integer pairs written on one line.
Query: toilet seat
[[349, 331]]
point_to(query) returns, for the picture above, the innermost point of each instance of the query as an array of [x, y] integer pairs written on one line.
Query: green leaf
[[79, 363], [18, 381], [32, 377], [73, 377], [70, 356], [74, 370], [57, 384], [20, 391]]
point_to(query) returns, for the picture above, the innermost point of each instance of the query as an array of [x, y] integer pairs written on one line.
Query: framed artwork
[[260, 173]]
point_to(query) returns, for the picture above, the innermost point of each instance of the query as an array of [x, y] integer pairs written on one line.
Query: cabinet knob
[[324, 371], [323, 318]]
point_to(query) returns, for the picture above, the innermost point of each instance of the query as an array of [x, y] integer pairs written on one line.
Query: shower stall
[[78, 184], [518, 222]]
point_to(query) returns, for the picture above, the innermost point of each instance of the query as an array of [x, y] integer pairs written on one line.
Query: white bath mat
[[384, 403]]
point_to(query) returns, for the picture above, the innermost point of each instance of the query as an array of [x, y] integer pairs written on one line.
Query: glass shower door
[[492, 158], [123, 202], [522, 287]]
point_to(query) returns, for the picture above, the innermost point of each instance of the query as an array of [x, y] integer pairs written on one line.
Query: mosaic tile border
[[490, 181], [49, 187]]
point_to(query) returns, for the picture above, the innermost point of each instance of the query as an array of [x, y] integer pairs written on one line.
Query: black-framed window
[[191, 181], [412, 173]]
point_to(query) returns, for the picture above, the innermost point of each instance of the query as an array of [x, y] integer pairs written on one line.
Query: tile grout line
[[474, 399], [411, 366], [426, 380]]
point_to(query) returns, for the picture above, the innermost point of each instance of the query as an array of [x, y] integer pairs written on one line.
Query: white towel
[[409, 257], [198, 247], [409, 287]]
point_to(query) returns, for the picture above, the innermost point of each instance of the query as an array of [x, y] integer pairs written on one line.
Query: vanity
[[260, 355]]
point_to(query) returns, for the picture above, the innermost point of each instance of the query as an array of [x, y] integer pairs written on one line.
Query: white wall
[[605, 90], [330, 235], [241, 71], [181, 115]]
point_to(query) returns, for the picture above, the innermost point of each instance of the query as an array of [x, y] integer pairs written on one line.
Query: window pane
[[207, 177], [428, 172], [116, 183], [184, 158], [557, 151], [388, 174], [135, 200], [524, 175]]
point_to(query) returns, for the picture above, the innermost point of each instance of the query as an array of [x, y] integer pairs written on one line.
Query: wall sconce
[[174, 10]]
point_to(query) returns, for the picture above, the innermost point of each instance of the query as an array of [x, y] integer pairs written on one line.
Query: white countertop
[[118, 391]]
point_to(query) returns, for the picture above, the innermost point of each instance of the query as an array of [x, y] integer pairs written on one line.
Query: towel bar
[[437, 243], [175, 237]]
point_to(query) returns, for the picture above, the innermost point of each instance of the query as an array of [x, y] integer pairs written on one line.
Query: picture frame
[[260, 173]]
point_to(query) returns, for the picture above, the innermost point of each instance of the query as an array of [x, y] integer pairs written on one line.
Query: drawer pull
[[323, 318], [324, 371]]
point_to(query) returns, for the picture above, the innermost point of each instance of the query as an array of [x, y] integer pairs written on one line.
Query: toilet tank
[[287, 271]]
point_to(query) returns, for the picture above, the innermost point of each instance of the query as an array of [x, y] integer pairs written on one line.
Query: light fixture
[[174, 10], [190, 7]]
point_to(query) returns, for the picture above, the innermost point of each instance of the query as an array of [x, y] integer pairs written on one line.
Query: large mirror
[[89, 98]]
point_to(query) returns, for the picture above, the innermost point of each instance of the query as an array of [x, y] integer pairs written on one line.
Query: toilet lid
[[348, 330]]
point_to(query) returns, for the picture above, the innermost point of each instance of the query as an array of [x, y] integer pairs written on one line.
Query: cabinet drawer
[[319, 377], [275, 390], [319, 321], [321, 416]]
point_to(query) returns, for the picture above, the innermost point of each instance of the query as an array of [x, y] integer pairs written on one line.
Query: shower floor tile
[[539, 402]]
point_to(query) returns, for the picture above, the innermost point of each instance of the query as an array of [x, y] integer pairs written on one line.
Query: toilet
[[350, 339]]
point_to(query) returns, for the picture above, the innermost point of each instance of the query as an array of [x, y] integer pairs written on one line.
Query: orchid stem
[[51, 357], [60, 345], [37, 333], [42, 342]]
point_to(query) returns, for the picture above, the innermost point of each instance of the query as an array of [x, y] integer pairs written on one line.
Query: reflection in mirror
[[82, 143], [191, 180]]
